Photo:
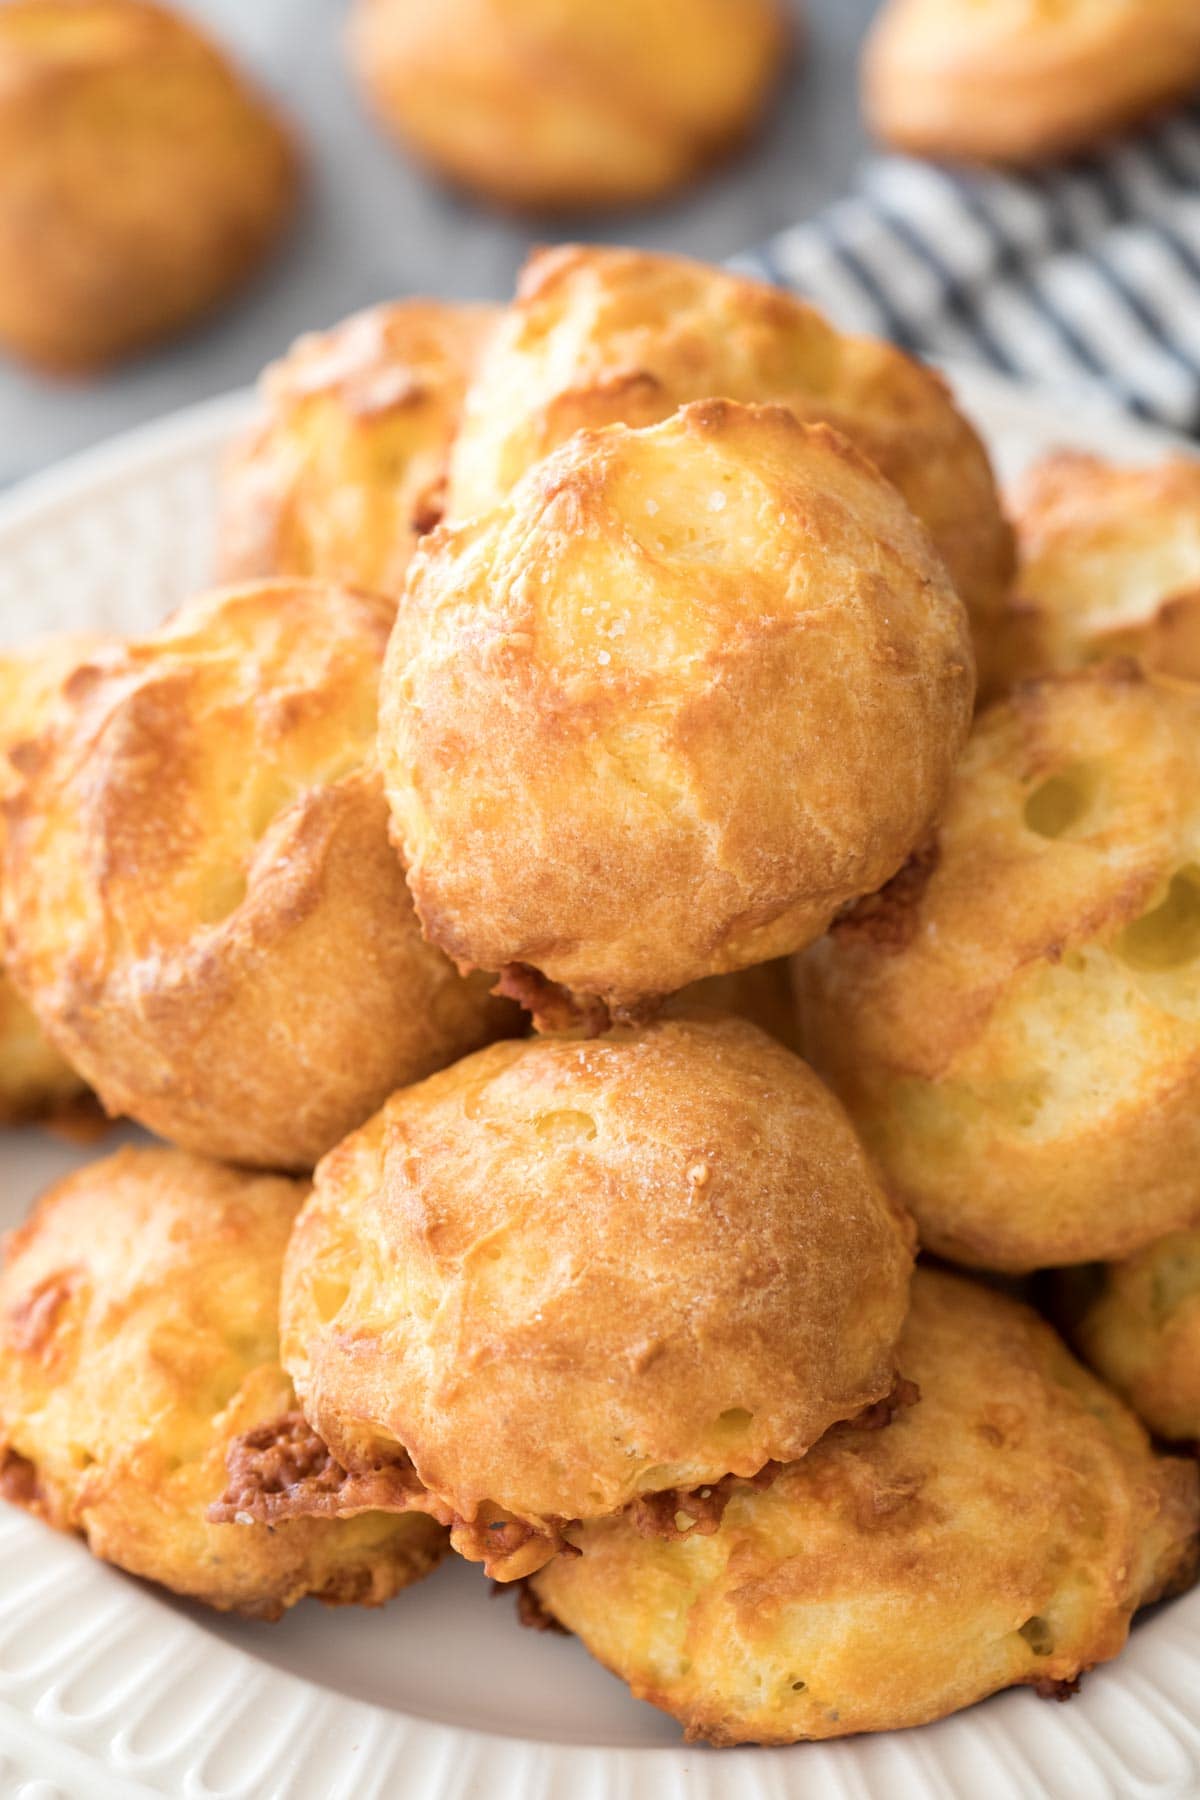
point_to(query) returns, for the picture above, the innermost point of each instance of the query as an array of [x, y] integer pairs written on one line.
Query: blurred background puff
[[203, 907], [1015, 81], [1014, 1024], [1108, 563], [348, 467], [138, 1329], [552, 105], [34, 1079], [1001, 1531], [599, 336], [564, 1277], [1138, 1324], [141, 179], [725, 671]]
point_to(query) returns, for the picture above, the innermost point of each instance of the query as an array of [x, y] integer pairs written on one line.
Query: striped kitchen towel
[[1081, 273]]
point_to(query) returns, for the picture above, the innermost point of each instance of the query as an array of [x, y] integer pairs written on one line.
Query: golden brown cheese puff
[[1015, 1023], [1014, 81], [1138, 1324], [142, 180], [563, 1275], [1000, 1532], [202, 905], [34, 1078], [674, 701], [568, 104], [1109, 562], [348, 466], [601, 335], [138, 1337]]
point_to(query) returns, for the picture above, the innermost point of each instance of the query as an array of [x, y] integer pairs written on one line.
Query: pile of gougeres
[[584, 738]]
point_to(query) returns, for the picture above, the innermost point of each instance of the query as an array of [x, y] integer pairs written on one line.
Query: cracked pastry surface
[[567, 1273], [1002, 1530], [142, 179], [202, 905], [568, 104], [347, 468], [681, 695], [1013, 1024], [601, 335], [138, 1339], [1017, 81]]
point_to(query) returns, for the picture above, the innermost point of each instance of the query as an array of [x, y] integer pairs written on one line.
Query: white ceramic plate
[[108, 1688]]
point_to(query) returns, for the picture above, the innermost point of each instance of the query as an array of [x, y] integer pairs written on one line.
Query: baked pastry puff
[[202, 905], [1013, 1023], [1002, 1531], [1137, 1323], [676, 699], [1108, 564], [347, 467], [600, 335], [138, 1338], [548, 105], [1017, 81], [142, 179], [568, 1277], [34, 1079]]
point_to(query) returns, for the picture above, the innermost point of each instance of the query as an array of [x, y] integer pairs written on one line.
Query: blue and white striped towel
[[1087, 273]]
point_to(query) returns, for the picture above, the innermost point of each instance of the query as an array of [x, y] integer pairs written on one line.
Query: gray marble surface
[[373, 225]]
